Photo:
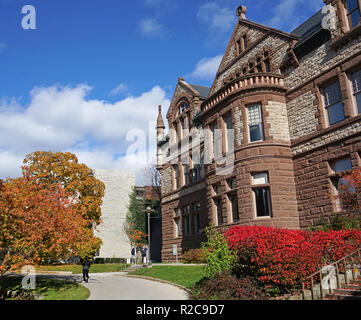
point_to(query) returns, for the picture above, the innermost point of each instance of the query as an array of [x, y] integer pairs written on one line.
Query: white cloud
[[217, 18], [206, 68], [64, 119], [121, 88], [151, 28]]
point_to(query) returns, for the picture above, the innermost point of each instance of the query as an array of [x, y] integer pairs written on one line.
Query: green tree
[[218, 255], [135, 222]]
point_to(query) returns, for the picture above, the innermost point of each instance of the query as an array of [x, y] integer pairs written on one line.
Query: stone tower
[[160, 135]]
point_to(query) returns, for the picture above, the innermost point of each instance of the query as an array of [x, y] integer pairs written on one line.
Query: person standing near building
[[144, 254]]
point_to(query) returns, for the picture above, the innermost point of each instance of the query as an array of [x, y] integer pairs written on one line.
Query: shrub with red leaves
[[281, 258]]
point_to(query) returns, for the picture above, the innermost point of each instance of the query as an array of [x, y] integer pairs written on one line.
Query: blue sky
[[93, 70]]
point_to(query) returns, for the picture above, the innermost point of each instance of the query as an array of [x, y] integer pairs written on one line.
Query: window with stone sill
[[255, 122], [352, 13], [333, 103], [355, 78], [262, 195]]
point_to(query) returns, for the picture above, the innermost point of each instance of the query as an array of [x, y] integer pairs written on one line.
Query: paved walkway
[[116, 286]]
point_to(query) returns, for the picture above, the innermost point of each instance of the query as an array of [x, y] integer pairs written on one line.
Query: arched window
[[183, 107]]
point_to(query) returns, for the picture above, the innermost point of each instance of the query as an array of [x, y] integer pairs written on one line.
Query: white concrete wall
[[118, 186]]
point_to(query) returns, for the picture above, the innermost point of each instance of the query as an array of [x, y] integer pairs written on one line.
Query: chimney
[[241, 12]]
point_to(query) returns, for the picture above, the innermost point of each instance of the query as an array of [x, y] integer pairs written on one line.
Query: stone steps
[[351, 291]]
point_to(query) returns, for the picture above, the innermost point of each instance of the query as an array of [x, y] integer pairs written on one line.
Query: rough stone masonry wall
[[278, 121], [302, 107], [166, 180], [238, 126], [312, 178], [183, 243], [118, 186]]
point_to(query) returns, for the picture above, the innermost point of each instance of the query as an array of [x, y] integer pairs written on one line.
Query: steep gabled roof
[[192, 89]]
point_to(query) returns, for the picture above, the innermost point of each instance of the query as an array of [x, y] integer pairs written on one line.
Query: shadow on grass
[[48, 289]]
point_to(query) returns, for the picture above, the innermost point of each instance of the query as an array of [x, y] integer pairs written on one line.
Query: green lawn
[[77, 269], [186, 276], [50, 289]]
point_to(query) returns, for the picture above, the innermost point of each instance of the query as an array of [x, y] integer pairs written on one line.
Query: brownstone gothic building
[[293, 101]]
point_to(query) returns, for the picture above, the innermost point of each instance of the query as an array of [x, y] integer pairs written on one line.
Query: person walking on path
[[144, 254], [86, 266], [134, 255]]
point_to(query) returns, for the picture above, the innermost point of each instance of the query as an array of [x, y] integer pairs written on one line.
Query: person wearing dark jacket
[[144, 254], [86, 266]]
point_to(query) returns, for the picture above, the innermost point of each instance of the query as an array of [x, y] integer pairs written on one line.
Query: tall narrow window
[[255, 125], [267, 65], [197, 217], [216, 140], [239, 46], [356, 88], [233, 201], [244, 40], [186, 174], [262, 195], [177, 228], [333, 103], [186, 221], [218, 211], [353, 12], [229, 136], [197, 223]]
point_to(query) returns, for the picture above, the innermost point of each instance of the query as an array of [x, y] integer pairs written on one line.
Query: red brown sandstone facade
[[293, 101]]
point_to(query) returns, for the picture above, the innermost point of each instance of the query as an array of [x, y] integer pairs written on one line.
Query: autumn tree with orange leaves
[[40, 223], [76, 178]]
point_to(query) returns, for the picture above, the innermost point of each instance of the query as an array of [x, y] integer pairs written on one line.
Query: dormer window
[[352, 12], [244, 40]]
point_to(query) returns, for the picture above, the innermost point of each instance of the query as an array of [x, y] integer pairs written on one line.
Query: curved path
[[116, 286]]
